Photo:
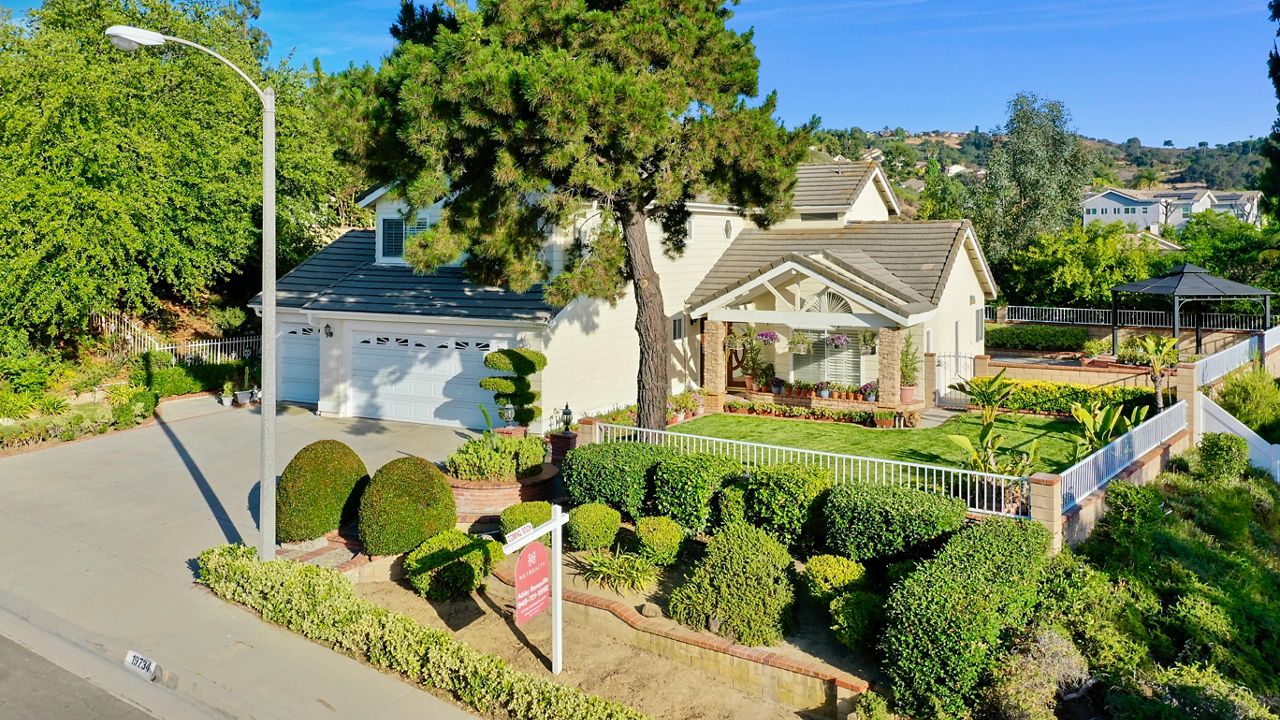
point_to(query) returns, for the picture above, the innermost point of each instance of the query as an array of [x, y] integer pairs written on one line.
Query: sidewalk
[[99, 543]]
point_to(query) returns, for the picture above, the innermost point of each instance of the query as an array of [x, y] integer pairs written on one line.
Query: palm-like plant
[[989, 394], [1101, 425], [1146, 177], [1160, 355], [990, 456]]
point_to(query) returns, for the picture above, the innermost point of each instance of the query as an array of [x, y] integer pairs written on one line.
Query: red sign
[[533, 582]]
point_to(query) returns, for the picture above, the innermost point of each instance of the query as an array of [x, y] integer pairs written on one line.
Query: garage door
[[299, 363], [416, 378]]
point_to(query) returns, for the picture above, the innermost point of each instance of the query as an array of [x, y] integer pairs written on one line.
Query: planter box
[[482, 502]]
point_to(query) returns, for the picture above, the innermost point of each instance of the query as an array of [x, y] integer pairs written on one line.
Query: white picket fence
[[133, 339], [1262, 454], [1128, 318], [1094, 472], [985, 493]]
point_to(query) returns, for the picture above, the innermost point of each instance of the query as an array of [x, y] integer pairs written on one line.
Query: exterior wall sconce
[[328, 331]]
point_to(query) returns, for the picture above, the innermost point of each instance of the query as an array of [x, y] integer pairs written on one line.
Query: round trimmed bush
[[451, 564], [1223, 456], [826, 576], [744, 582], [592, 526], [683, 486], [534, 512], [318, 490], [856, 617], [875, 521], [407, 501], [659, 539], [783, 499], [616, 474]]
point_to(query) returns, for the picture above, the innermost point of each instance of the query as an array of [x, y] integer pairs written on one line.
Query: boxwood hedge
[[616, 474], [683, 486], [946, 622], [659, 539], [533, 512], [407, 501], [1036, 337], [866, 521], [318, 490], [783, 499], [592, 526], [451, 564]]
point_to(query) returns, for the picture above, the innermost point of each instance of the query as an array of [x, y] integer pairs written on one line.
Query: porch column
[[889, 348], [929, 374], [714, 366]]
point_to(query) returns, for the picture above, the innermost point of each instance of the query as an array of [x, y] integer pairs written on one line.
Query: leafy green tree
[[1146, 178], [531, 111], [1035, 176], [900, 160], [1231, 248], [943, 197], [850, 143], [1269, 179], [1078, 266], [127, 178]]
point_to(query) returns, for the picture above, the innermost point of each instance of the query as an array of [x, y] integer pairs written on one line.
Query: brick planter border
[[482, 502]]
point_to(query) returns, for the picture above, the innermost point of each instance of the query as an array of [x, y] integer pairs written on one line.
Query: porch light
[[507, 412], [566, 417], [328, 331]]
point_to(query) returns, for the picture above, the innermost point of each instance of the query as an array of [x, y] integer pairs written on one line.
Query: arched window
[[827, 301]]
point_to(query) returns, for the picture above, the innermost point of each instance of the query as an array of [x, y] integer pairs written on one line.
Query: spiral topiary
[[515, 388]]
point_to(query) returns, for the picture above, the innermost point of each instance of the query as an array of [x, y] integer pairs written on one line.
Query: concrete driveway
[[98, 539]]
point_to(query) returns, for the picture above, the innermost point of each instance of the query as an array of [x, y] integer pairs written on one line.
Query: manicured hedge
[[745, 582], [318, 490], [731, 504], [683, 486], [592, 527], [451, 564], [876, 521], [826, 576], [495, 458], [659, 539], [616, 474], [784, 498], [1036, 337], [856, 617], [945, 622], [534, 512], [1042, 396], [156, 371], [321, 605], [407, 501]]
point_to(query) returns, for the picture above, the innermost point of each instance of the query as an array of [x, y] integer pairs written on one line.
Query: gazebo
[[1184, 284]]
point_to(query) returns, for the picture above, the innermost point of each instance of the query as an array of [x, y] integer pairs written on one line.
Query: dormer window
[[394, 232], [393, 238]]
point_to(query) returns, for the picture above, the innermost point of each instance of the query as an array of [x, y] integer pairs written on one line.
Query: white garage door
[[299, 363], [420, 378]]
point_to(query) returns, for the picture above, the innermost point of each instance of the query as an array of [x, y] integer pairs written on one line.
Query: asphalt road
[[32, 688]]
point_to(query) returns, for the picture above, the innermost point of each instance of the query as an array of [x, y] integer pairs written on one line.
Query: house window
[[1186, 211], [393, 238], [979, 325], [1144, 210], [677, 328], [823, 362]]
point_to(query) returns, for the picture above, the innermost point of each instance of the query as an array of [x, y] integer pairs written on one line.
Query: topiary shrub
[[856, 618], [319, 489], [742, 589], [783, 499], [451, 564], [515, 388], [826, 576], [1223, 456], [533, 513], [876, 521], [683, 486], [592, 526], [616, 474], [496, 458], [407, 501], [731, 504], [659, 539], [945, 621]]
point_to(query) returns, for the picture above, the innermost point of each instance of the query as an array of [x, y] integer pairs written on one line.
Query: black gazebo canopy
[[1183, 284]]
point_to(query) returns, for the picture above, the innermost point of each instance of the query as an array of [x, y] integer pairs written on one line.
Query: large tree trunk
[[652, 383]]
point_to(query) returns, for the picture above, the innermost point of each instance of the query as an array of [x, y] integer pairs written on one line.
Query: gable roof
[[343, 277], [907, 263]]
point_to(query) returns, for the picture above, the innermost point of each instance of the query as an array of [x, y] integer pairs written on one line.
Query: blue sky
[[1185, 70]]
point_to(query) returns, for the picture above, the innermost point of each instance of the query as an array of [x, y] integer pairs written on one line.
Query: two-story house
[[361, 334], [1153, 209]]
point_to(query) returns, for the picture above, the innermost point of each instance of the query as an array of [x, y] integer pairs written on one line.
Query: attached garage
[[299, 363]]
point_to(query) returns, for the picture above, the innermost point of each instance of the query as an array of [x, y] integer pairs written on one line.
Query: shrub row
[[496, 458], [876, 521], [946, 620], [783, 499], [156, 372], [616, 474], [66, 426], [1042, 396], [1036, 337], [320, 604], [683, 486]]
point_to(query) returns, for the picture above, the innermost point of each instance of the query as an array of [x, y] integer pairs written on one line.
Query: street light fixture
[[130, 38]]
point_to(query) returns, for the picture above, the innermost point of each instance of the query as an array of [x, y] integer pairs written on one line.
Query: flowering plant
[[824, 385], [871, 388], [777, 382], [837, 341], [768, 336]]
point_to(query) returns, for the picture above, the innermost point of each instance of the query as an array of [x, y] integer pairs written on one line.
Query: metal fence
[[985, 493], [1094, 472], [130, 339], [952, 369], [1129, 318]]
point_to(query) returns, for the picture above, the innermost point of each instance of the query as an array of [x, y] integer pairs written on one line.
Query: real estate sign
[[533, 582]]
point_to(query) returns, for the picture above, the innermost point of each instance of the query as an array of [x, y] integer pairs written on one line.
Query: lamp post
[[129, 38]]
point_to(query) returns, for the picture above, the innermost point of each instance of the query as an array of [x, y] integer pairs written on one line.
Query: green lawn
[[930, 446]]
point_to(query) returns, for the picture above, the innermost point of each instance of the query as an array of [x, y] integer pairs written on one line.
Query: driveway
[[99, 538]]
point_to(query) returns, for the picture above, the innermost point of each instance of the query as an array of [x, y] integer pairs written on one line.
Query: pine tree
[[1269, 179]]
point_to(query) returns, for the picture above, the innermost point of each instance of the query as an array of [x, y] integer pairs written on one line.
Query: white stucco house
[[362, 335], [1152, 209]]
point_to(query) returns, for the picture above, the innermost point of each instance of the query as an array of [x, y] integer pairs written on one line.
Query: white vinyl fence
[[1129, 318], [133, 339], [1094, 472], [1217, 365], [952, 369], [985, 493], [1213, 418]]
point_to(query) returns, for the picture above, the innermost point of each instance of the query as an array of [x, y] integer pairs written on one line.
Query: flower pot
[[857, 397], [824, 393], [869, 397], [226, 399], [777, 389], [751, 384], [884, 422], [679, 418], [243, 396], [908, 393]]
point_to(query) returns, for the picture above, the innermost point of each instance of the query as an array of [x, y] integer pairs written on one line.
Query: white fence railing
[[133, 339], [1213, 418], [1094, 472], [985, 493], [1224, 361], [952, 369], [1129, 318], [129, 337]]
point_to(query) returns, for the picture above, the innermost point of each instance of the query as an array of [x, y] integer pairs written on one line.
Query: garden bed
[[480, 502]]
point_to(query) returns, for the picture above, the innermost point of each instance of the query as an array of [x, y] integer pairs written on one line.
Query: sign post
[[532, 586]]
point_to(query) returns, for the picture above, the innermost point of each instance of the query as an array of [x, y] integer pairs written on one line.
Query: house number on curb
[[532, 569], [141, 665]]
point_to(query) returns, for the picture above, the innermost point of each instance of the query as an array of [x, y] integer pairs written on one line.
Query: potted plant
[[800, 343], [885, 418], [684, 405], [867, 342], [777, 384], [768, 337], [837, 341], [737, 407], [228, 392], [871, 390], [242, 390], [909, 370], [824, 389]]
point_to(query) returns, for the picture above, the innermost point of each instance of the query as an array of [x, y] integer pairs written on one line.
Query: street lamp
[[129, 38]]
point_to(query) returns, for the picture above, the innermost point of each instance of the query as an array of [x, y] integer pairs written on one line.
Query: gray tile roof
[[343, 277], [831, 184], [906, 261]]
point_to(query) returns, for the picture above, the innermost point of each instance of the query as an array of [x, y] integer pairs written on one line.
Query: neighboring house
[[361, 334], [1152, 209], [1162, 245]]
